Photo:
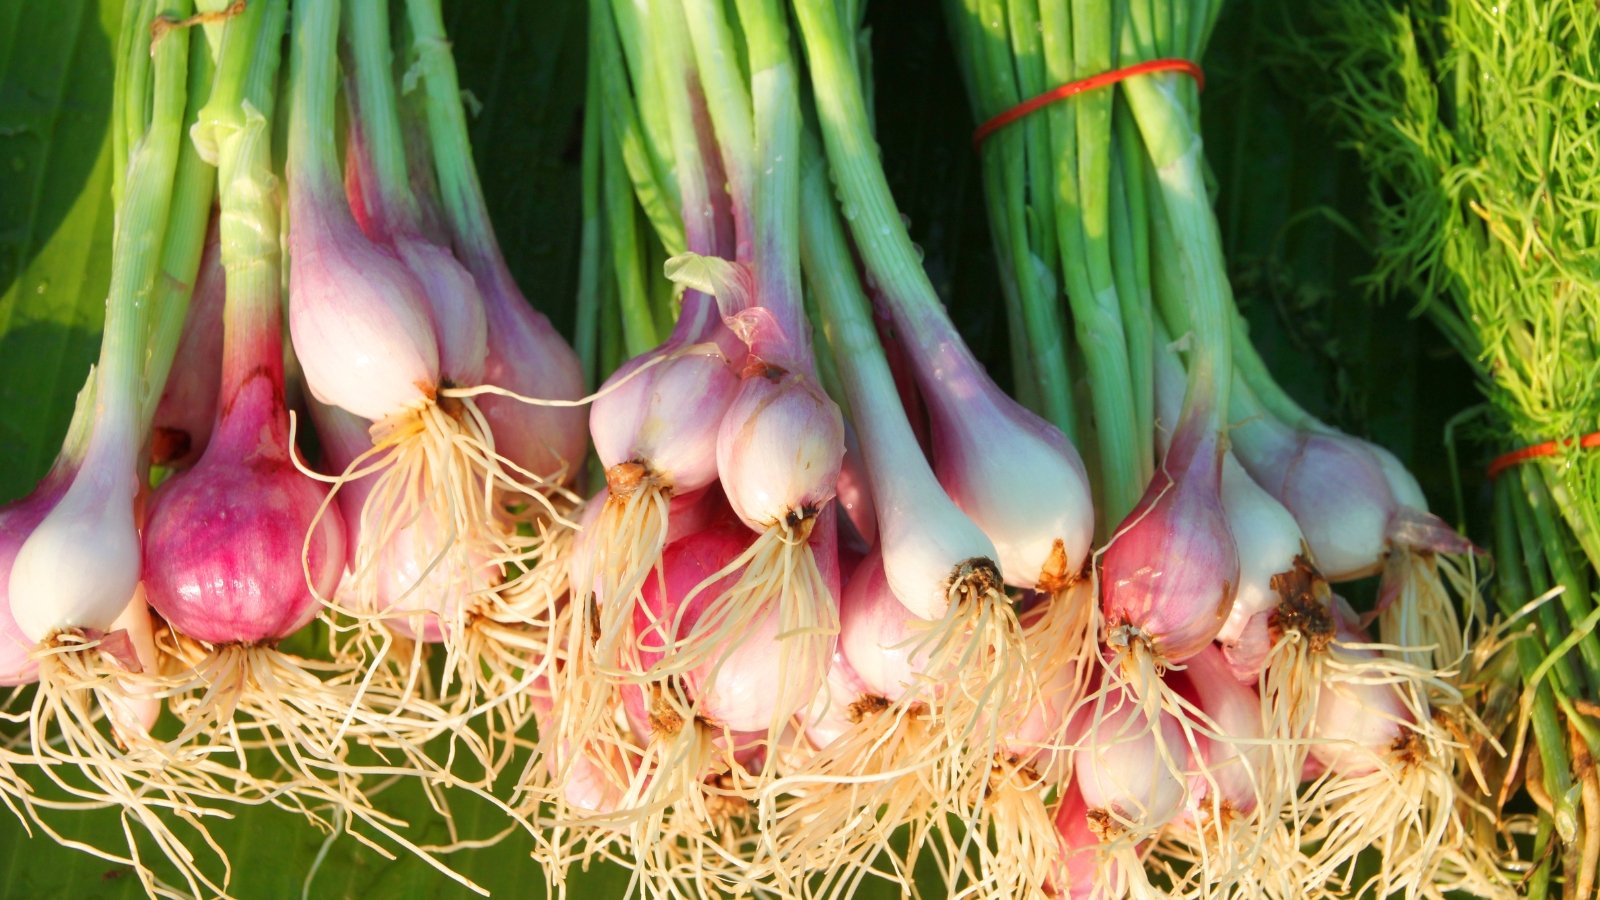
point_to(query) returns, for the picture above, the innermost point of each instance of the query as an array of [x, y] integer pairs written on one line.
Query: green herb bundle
[[1477, 123]]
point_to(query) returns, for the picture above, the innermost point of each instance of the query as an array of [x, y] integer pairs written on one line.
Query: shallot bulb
[[358, 318], [1332, 484], [1016, 475], [749, 685], [878, 636], [660, 413], [60, 580], [779, 449], [1127, 766], [1169, 574]]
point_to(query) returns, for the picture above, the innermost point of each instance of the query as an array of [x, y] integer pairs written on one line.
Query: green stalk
[[717, 57], [775, 199], [677, 83], [130, 88], [313, 162], [366, 25], [648, 165], [633, 301], [1539, 882], [194, 185], [590, 250], [1021, 282], [1566, 478], [1075, 49], [852, 338], [136, 258], [1549, 736], [1576, 599], [853, 158], [462, 194], [1038, 241], [1130, 258], [1567, 677], [1252, 369], [638, 45], [1026, 244], [242, 110], [1163, 106], [1054, 208]]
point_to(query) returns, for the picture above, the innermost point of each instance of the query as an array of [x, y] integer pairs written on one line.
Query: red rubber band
[[1548, 448], [1092, 83]]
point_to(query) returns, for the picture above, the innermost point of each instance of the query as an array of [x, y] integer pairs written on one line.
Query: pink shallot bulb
[[1016, 475], [661, 417], [1268, 540], [422, 583], [1084, 869], [878, 635], [1265, 534], [1233, 777], [61, 580], [1334, 486], [747, 685], [527, 356], [455, 305], [837, 706], [1359, 721], [1127, 766], [417, 581], [1169, 574], [223, 541], [779, 449], [358, 318], [17, 521], [860, 527]]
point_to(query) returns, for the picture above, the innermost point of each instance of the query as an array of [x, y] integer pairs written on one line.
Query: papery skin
[[223, 541], [1172, 568], [134, 710]]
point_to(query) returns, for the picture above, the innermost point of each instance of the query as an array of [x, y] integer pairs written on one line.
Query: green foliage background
[[1289, 203]]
